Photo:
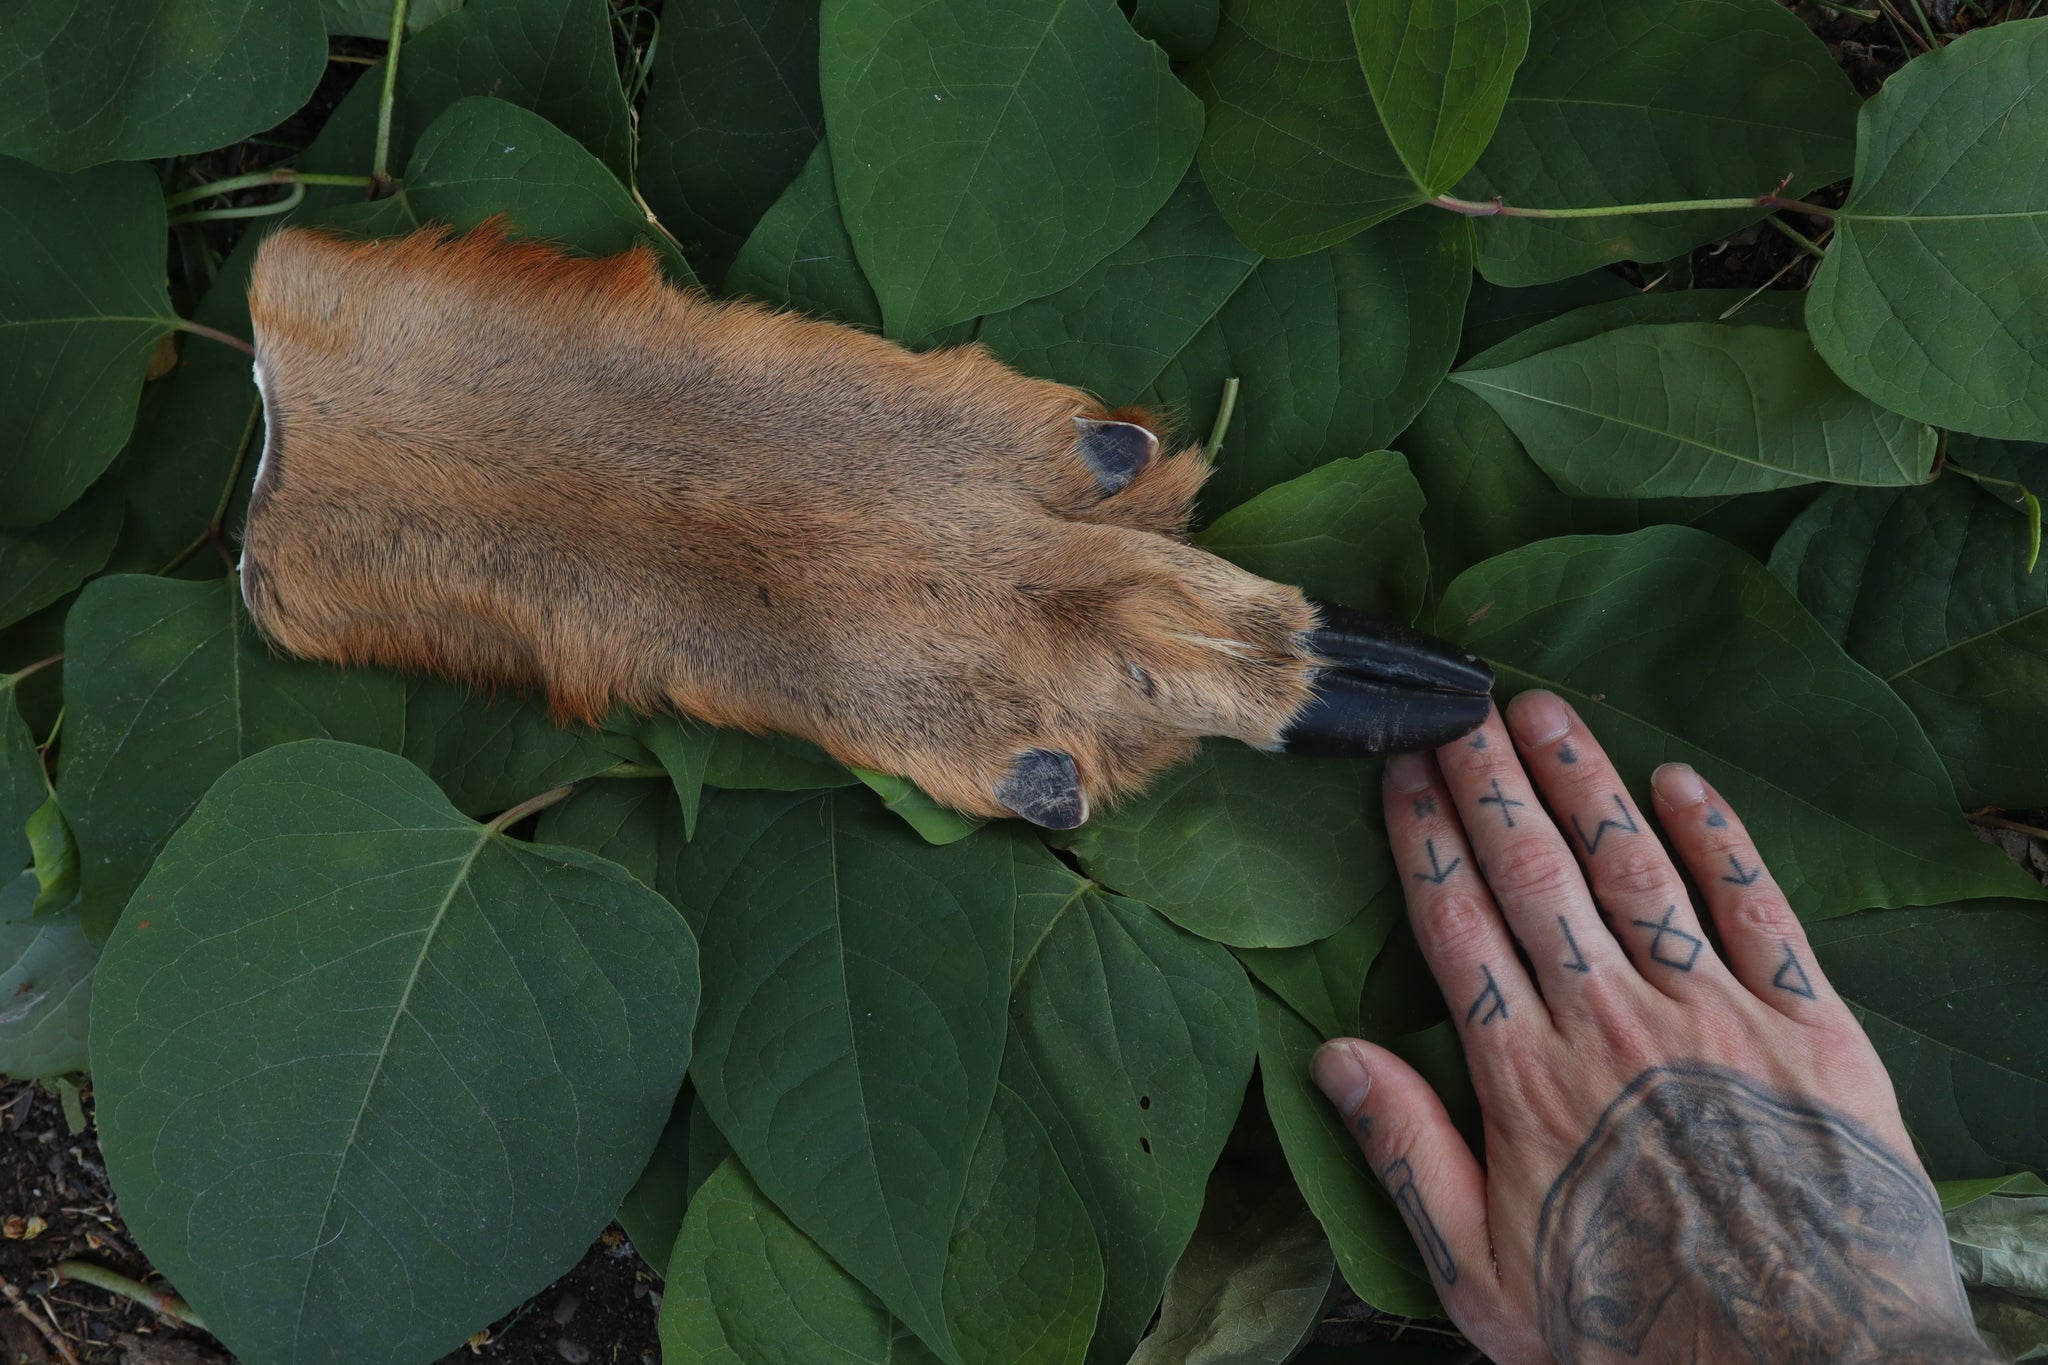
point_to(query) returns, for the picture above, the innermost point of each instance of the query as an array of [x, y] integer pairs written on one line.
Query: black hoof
[[1349, 717], [1116, 451], [1045, 788], [1381, 651]]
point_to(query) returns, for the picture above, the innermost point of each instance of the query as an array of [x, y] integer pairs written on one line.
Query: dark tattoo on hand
[[1478, 741], [1496, 1004], [1566, 754], [1505, 802], [1744, 876], [1362, 1125], [1437, 871], [1424, 805], [1792, 977], [1686, 949], [1400, 1178], [1626, 824], [1752, 1225], [1578, 962], [1716, 820]]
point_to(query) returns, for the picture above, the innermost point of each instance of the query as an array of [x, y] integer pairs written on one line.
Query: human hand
[[1690, 1155]]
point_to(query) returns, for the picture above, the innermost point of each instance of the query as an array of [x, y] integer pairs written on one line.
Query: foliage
[[376, 1056]]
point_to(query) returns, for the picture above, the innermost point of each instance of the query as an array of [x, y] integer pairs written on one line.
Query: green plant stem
[[1224, 412], [284, 205], [1494, 208], [170, 1305], [50, 740], [1804, 242], [14, 679], [276, 175], [200, 329], [1868, 16], [529, 806], [633, 770], [380, 166], [227, 494], [2023, 497]]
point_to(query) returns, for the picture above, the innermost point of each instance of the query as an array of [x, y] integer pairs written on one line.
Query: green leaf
[[489, 753], [1955, 1194], [1349, 532], [484, 157], [652, 1211], [1496, 312], [1439, 71], [1374, 1250], [1927, 589], [1675, 646], [2001, 1240], [936, 823], [816, 910], [733, 114], [1023, 1276], [1643, 101], [1247, 848], [55, 852], [1117, 327], [1951, 996], [82, 303], [1697, 409], [746, 1287], [46, 968], [39, 566], [1337, 353], [1325, 982], [167, 687], [990, 154], [86, 83], [1252, 1283], [335, 994], [553, 57], [21, 781], [372, 18], [1185, 28], [1294, 150], [799, 254], [190, 454], [1933, 298], [1131, 1041]]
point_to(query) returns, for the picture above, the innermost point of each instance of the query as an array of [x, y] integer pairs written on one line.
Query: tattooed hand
[[1691, 1155]]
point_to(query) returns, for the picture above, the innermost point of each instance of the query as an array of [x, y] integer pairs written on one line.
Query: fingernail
[[1678, 786], [1407, 772], [1538, 718], [1341, 1075]]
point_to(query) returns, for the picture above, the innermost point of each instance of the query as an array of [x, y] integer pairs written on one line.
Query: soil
[[55, 1203]]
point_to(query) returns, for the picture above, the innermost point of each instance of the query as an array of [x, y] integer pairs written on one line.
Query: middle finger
[[1533, 876]]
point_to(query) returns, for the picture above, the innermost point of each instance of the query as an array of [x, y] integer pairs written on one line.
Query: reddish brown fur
[[497, 462]]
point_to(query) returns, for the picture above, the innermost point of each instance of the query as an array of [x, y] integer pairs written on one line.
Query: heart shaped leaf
[[1439, 71], [46, 968], [350, 1037], [1933, 298]]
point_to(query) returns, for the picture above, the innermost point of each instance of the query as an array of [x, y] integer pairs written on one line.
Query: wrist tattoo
[[1751, 1224]]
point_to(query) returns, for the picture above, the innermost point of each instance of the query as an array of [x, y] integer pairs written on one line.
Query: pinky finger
[[1430, 1174], [1763, 939]]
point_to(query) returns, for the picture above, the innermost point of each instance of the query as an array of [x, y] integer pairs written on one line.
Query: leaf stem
[[14, 678], [200, 329], [168, 1304], [1224, 412], [276, 175], [2023, 498], [527, 807], [633, 770], [1800, 239], [227, 495], [1999, 822], [380, 166], [284, 205], [1495, 208]]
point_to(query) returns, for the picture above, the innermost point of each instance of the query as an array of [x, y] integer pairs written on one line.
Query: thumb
[[1431, 1175]]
